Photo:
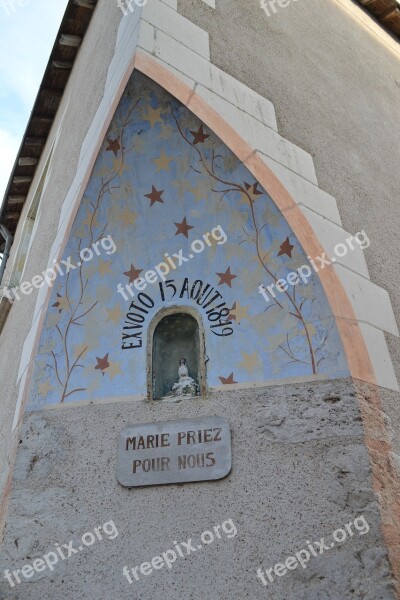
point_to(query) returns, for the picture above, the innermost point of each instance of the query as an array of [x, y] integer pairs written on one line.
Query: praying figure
[[183, 370], [186, 387]]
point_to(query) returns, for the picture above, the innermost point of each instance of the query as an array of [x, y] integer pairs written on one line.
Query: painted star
[[104, 267], [79, 232], [115, 369], [253, 190], [183, 228], [183, 185], [113, 146], [250, 361], [227, 380], [91, 219], [162, 162], [80, 350], [200, 193], [102, 363], [127, 217], [155, 196], [119, 166], [238, 312], [114, 314], [199, 136], [133, 273], [62, 303], [153, 116], [44, 388], [286, 248], [226, 277]]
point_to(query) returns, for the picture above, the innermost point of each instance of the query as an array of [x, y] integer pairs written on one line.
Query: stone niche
[[176, 336]]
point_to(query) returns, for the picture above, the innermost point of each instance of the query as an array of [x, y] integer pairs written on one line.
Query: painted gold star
[[44, 388], [199, 136], [155, 196], [286, 248], [238, 312], [91, 219], [183, 228], [62, 303], [226, 277], [183, 185], [162, 162], [153, 116], [227, 380], [133, 273], [80, 232], [103, 171], [200, 192], [114, 369], [119, 166], [104, 267], [80, 350], [127, 217], [250, 361], [114, 314]]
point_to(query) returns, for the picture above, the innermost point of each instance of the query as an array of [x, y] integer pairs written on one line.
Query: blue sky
[[28, 29]]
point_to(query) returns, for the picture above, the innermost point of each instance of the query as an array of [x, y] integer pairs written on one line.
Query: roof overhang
[[387, 12], [74, 25]]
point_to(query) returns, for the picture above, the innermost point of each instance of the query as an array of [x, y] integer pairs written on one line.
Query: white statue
[[183, 370], [186, 387]]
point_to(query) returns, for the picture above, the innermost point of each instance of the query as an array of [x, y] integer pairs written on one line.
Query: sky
[[28, 30]]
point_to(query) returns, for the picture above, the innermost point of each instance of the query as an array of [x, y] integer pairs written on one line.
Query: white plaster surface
[[300, 471]]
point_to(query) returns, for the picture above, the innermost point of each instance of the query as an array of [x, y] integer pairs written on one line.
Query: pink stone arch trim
[[353, 342]]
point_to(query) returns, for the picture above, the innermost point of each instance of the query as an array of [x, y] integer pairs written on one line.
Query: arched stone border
[[353, 342], [158, 317]]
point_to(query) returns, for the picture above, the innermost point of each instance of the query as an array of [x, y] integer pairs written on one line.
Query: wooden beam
[[390, 13], [16, 199], [44, 120], [62, 65], [27, 161], [34, 141], [70, 40], [51, 92], [22, 179], [91, 4]]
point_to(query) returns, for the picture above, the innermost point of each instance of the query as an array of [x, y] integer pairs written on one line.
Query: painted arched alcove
[[173, 218], [173, 333]]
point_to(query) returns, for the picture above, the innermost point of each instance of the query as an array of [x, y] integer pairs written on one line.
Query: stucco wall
[[333, 76], [300, 471], [90, 69]]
